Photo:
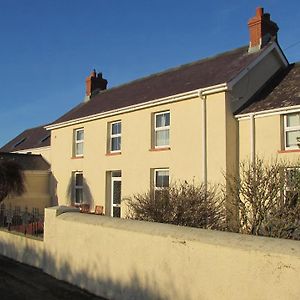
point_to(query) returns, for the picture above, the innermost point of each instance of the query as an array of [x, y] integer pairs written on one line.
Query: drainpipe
[[252, 138], [204, 141]]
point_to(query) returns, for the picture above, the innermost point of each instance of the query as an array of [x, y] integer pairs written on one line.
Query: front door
[[116, 182]]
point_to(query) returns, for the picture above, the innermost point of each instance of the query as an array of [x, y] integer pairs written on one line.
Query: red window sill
[[289, 151], [113, 153], [160, 149], [77, 157]]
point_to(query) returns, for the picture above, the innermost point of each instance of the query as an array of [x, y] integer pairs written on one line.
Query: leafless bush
[[264, 197], [181, 204]]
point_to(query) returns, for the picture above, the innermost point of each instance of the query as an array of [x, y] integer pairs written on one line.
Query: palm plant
[[11, 179]]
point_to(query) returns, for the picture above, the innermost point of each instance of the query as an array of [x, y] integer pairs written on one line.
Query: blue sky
[[49, 47]]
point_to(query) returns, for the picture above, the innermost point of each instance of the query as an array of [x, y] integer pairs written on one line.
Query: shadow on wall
[[53, 190], [85, 278], [87, 195]]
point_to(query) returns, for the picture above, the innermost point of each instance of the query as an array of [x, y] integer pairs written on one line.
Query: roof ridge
[[36, 127]]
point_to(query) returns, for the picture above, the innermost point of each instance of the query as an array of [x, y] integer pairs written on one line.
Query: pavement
[[22, 282]]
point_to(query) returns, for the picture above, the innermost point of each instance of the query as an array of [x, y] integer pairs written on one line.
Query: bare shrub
[[265, 199], [181, 204]]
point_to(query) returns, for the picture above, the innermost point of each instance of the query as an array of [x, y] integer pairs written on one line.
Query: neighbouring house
[[37, 178], [194, 123]]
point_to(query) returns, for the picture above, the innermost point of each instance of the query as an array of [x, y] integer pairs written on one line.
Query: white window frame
[[77, 142], [289, 129], [155, 171], [78, 187], [116, 135], [156, 129]]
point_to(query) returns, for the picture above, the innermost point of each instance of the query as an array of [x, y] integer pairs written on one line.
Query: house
[[31, 141], [194, 123], [37, 182]]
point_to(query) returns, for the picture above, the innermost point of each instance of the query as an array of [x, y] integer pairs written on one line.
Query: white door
[[116, 195]]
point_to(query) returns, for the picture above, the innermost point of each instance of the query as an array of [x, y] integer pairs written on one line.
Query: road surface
[[22, 282]]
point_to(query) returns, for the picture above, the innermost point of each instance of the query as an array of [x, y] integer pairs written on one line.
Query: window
[[20, 142], [78, 188], [45, 138], [161, 181], [162, 129], [78, 142], [115, 136], [292, 185], [292, 131]]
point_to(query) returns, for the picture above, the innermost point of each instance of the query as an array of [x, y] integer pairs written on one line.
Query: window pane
[[79, 179], [116, 143], [116, 128], [162, 137], [79, 135], [293, 178], [162, 178], [79, 149], [116, 192], [163, 120], [291, 138], [78, 196], [293, 120], [161, 194], [116, 212]]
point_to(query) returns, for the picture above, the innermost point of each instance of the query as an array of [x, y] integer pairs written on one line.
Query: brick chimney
[[261, 30], [94, 83]]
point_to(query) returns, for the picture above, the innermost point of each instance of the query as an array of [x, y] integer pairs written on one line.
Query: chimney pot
[[259, 11]]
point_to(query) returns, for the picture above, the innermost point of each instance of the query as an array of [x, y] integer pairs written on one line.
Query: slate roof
[[28, 162], [31, 138], [282, 91], [203, 73]]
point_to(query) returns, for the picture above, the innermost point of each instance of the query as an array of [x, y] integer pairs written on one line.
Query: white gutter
[[24, 151], [270, 112], [165, 100], [252, 138]]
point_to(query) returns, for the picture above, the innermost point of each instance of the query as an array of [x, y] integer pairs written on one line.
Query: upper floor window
[[115, 136], [78, 142], [162, 129], [292, 131]]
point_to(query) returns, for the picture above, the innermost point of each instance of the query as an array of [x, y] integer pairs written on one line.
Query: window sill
[[289, 151], [160, 149], [77, 157], [113, 153]]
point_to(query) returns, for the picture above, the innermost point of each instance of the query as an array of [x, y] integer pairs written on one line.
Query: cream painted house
[[192, 123]]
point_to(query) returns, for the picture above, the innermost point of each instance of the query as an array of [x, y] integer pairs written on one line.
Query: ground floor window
[[78, 188], [292, 185], [161, 181]]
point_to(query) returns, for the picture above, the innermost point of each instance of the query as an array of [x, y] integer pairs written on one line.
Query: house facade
[[192, 123]]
